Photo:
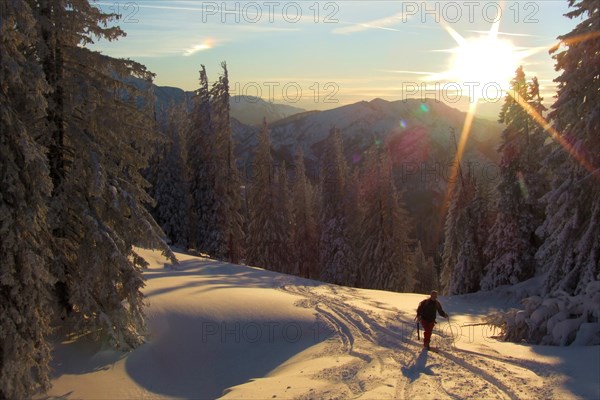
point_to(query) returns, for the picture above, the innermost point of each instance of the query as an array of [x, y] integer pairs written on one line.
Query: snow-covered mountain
[[420, 136], [364, 122], [246, 109], [409, 125], [251, 110]]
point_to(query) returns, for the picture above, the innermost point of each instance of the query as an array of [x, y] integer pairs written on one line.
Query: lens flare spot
[[522, 185]]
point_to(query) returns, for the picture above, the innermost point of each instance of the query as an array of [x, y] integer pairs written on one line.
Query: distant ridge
[[248, 110]]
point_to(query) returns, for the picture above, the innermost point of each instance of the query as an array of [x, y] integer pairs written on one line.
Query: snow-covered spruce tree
[[201, 162], [283, 222], [571, 250], [228, 243], [25, 279], [463, 256], [569, 257], [262, 235], [305, 239], [167, 177], [512, 243], [426, 275], [538, 176], [338, 261], [101, 134], [451, 237], [354, 213], [314, 195], [384, 254]]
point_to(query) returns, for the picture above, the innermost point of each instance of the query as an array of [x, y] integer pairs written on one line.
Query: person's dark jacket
[[428, 308]]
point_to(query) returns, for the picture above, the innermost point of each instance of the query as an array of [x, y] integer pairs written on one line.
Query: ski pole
[[418, 331], [451, 332]]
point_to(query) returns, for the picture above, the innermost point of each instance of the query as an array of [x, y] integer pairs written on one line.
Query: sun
[[482, 62], [485, 60]]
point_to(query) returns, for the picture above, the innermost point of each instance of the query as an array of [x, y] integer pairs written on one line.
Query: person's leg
[[428, 329]]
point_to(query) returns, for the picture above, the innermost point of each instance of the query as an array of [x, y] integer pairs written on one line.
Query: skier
[[426, 313]]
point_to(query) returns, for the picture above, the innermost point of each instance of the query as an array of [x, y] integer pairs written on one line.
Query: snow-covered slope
[[217, 329]]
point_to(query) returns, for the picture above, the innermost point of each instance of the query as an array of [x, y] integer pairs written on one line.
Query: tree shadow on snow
[[215, 275], [65, 396], [200, 358], [82, 355]]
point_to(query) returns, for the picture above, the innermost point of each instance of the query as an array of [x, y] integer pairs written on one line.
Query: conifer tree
[[569, 256], [384, 261], [451, 237], [354, 212], [167, 177], [25, 242], [283, 223], [304, 234], [262, 239], [469, 266], [202, 165], [101, 135], [571, 250], [512, 244], [228, 241], [426, 274], [338, 262], [463, 257]]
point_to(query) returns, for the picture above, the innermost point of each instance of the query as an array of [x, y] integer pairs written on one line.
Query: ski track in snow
[[395, 364]]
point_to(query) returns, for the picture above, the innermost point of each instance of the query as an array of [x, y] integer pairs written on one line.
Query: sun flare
[[480, 63], [485, 60]]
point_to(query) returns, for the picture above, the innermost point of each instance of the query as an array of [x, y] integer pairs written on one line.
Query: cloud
[[381, 23], [257, 28], [407, 72], [112, 5], [207, 44], [506, 33]]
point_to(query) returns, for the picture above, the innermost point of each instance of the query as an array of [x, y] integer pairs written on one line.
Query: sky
[[323, 54]]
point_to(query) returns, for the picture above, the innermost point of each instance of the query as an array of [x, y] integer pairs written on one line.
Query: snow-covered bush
[[557, 319]]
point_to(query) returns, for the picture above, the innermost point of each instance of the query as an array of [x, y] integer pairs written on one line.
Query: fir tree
[[283, 223], [305, 237], [201, 163], [384, 261], [338, 262], [355, 213], [167, 177], [262, 238], [228, 241], [569, 257], [426, 274], [451, 237], [315, 197], [100, 140], [25, 278], [571, 249], [463, 256], [512, 243]]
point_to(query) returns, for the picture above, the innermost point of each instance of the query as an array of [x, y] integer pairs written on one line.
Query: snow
[[218, 329]]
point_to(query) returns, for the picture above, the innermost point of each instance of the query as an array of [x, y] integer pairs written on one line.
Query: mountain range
[[431, 124]]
